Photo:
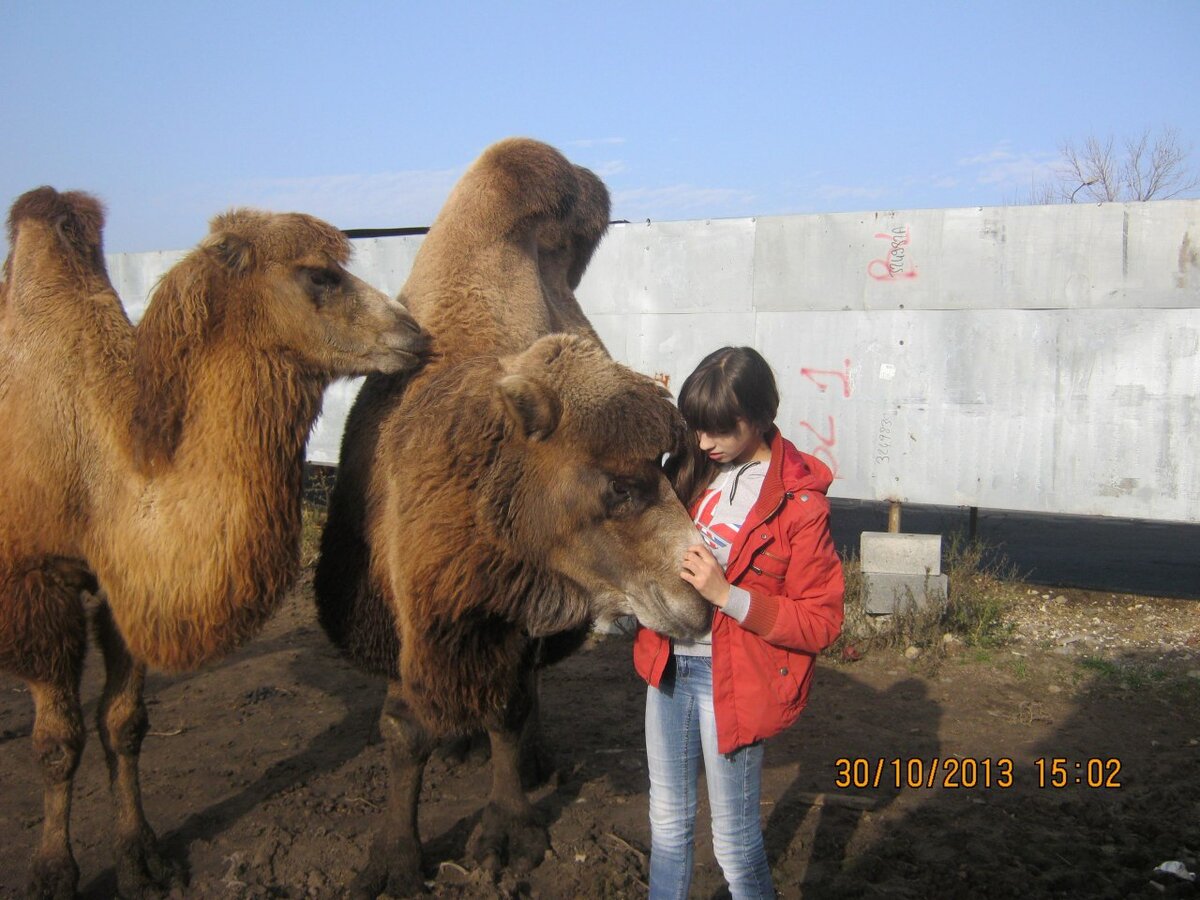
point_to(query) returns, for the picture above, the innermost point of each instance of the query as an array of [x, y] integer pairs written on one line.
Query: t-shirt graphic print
[[726, 504]]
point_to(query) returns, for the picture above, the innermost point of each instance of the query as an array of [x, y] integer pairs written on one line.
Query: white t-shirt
[[722, 511]]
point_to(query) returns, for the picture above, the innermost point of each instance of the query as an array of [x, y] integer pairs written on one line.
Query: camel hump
[[520, 181], [77, 218], [532, 177], [519, 228]]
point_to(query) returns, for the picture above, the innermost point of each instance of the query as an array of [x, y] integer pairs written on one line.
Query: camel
[[159, 468], [489, 506]]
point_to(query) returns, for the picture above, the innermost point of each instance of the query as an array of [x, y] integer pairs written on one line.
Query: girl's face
[[737, 446]]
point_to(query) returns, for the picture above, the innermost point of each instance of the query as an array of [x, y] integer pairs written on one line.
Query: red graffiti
[[825, 442], [844, 375], [830, 460], [895, 263]]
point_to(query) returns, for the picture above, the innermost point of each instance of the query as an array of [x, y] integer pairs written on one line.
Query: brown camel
[[161, 465], [509, 492]]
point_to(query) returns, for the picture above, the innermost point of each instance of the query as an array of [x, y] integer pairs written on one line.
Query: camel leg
[[122, 723], [537, 762], [58, 737], [538, 765], [43, 639], [509, 828], [394, 866]]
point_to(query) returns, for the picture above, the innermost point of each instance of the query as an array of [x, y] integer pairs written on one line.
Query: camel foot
[[393, 869], [143, 871], [503, 838], [53, 879]]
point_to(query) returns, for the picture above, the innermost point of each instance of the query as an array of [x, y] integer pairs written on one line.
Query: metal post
[[894, 517]]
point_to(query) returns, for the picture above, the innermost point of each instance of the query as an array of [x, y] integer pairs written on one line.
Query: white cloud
[[849, 192], [609, 168], [594, 142], [681, 201], [366, 200], [1002, 167], [999, 154]]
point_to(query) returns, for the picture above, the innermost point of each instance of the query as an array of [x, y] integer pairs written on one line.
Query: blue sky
[[366, 113]]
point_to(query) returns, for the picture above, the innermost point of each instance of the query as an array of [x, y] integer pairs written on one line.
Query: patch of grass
[[1104, 667], [1183, 690], [311, 526], [913, 625], [1132, 675], [983, 586], [318, 485]]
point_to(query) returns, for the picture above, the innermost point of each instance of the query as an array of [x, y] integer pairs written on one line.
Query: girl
[[767, 563]]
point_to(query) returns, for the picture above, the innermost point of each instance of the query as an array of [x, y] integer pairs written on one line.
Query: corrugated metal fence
[[1044, 359]]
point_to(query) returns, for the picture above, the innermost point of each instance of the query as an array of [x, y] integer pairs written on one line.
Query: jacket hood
[[801, 471]]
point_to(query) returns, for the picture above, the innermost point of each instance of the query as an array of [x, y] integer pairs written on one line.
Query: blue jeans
[[680, 727]]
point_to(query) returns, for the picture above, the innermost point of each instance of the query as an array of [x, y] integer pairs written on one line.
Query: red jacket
[[784, 556]]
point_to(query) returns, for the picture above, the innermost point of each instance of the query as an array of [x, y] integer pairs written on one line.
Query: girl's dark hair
[[729, 384]]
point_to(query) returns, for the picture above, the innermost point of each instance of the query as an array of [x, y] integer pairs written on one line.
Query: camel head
[[284, 277], [584, 494], [263, 286]]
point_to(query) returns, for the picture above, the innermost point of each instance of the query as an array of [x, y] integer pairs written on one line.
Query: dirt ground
[[265, 772]]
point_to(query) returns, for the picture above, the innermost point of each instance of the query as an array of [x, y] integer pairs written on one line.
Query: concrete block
[[902, 554], [888, 592]]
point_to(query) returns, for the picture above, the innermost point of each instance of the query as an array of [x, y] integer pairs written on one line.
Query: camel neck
[[223, 517]]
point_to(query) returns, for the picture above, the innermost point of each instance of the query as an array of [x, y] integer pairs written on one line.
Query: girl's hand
[[702, 571]]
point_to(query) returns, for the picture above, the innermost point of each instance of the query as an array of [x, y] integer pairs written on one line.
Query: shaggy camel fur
[[509, 491], [161, 465]]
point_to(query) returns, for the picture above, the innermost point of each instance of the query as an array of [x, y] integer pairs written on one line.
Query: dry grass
[[983, 585], [318, 484], [310, 533]]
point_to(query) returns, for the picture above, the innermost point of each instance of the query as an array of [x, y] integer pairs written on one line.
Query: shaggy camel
[[161, 465], [510, 491]]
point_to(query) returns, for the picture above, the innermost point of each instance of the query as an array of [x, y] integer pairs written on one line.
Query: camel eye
[[617, 495], [324, 278]]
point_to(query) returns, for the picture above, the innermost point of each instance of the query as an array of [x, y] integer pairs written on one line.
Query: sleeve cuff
[[761, 615], [738, 605]]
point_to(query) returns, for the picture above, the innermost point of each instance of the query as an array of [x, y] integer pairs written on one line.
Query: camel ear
[[232, 251], [532, 405]]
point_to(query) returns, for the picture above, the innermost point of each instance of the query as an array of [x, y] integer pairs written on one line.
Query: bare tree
[[1145, 167]]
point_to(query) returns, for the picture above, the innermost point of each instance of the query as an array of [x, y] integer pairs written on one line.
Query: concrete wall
[[1044, 359]]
